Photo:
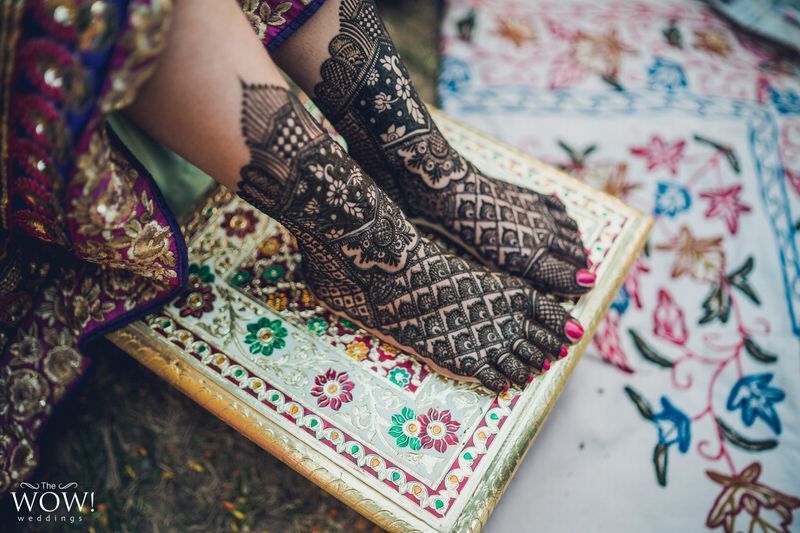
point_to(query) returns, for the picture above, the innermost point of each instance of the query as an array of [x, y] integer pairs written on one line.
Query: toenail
[[564, 352], [585, 278], [573, 330], [546, 365], [530, 378]]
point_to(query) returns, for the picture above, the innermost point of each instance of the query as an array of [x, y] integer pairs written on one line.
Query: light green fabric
[[181, 183]]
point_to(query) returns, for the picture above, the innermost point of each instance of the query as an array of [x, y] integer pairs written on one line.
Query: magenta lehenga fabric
[[87, 244]]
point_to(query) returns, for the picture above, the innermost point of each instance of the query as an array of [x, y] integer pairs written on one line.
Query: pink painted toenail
[[564, 352], [573, 330], [508, 386], [546, 365], [585, 278], [530, 379]]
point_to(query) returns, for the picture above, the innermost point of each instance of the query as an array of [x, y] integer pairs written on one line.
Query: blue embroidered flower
[[786, 102], [756, 399], [674, 427], [671, 199], [454, 75], [666, 75], [621, 301]]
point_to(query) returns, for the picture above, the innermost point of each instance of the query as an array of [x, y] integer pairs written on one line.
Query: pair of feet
[[364, 258]]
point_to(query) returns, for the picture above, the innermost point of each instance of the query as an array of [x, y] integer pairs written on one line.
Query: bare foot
[[364, 260], [368, 96]]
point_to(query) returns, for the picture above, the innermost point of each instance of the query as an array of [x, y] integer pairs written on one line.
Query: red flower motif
[[438, 430], [333, 389], [196, 300], [725, 203], [661, 153], [606, 340], [239, 222], [668, 320]]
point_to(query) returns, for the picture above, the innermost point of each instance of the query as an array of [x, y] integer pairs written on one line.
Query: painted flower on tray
[[668, 320], [406, 430], [661, 153], [671, 199], [240, 222], [357, 350], [265, 336], [725, 203], [753, 395], [399, 376], [318, 325], [332, 389], [195, 301], [438, 430], [744, 504]]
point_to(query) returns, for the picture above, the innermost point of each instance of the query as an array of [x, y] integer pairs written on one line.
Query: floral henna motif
[[367, 94], [364, 260]]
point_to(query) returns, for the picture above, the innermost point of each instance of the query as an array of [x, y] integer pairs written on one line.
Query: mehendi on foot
[[367, 94], [364, 260]]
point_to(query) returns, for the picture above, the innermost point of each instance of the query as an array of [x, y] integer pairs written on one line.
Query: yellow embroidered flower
[[270, 246], [389, 349], [357, 350]]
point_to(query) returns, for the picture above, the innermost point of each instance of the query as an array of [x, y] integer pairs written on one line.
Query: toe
[[530, 355], [544, 339], [554, 275], [491, 378], [569, 249], [551, 314], [563, 219], [513, 368], [554, 202]]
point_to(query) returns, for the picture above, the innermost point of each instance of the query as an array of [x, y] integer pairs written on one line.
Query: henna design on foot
[[367, 94], [364, 260]]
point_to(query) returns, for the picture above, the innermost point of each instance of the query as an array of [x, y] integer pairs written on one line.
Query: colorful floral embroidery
[[406, 429], [357, 350], [265, 336], [725, 203], [671, 199], [318, 325], [660, 153], [743, 497], [756, 399], [399, 376], [332, 389]]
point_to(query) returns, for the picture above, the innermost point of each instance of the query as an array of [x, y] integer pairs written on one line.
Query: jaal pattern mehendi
[[367, 94]]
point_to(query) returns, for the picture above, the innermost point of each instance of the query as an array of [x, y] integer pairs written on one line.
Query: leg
[[362, 258], [345, 58]]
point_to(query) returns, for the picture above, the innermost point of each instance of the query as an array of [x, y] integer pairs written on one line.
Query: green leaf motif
[[408, 414], [757, 352], [717, 305], [641, 404], [414, 443], [738, 279], [398, 420], [648, 352], [737, 439], [395, 431], [660, 460]]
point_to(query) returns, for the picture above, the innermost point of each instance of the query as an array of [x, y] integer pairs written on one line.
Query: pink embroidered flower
[[333, 389], [607, 342], [668, 320], [240, 222], [631, 283], [726, 204], [438, 430], [660, 153]]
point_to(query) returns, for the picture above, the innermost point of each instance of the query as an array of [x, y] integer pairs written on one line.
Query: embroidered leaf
[[742, 442], [466, 25], [758, 352], [647, 352], [573, 157], [730, 155], [673, 35], [738, 279], [660, 459], [588, 151], [641, 404], [612, 80], [717, 305]]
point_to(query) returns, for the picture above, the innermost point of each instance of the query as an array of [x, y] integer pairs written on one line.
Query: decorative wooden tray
[[405, 447]]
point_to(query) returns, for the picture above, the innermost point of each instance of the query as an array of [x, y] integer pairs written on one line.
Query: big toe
[[556, 276]]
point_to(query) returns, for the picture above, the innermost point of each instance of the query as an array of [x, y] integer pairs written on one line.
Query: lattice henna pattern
[[367, 94], [363, 259]]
